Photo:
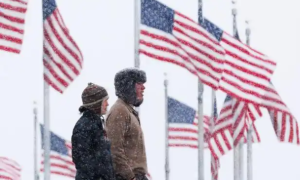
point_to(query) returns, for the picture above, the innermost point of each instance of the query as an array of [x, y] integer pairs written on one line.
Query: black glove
[[141, 177]]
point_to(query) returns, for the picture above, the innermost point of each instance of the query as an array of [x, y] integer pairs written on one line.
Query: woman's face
[[104, 107]]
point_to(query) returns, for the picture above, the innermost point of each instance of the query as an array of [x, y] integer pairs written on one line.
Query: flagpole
[[137, 12], [137, 19], [46, 132], [200, 111], [236, 149], [241, 160], [249, 133], [212, 124], [241, 144], [46, 137], [36, 172], [167, 165]]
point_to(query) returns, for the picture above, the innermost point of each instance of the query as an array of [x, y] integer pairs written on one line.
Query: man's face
[[139, 89]]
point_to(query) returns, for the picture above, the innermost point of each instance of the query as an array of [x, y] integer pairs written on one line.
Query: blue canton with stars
[[212, 29], [57, 144], [179, 112], [48, 7], [157, 15]]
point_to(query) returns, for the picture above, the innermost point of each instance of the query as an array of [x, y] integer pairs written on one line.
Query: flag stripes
[[284, 123], [234, 116], [186, 135], [247, 72], [62, 57], [61, 165], [12, 25], [169, 36], [215, 163], [9, 169], [61, 162]]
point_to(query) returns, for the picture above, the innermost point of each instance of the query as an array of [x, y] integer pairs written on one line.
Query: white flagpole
[[167, 165], [249, 133], [46, 132], [137, 12], [200, 112], [36, 172], [46, 128], [241, 160], [236, 155], [137, 19], [212, 124], [241, 150], [46, 138]]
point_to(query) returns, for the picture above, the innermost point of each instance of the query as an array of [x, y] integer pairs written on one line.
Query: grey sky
[[104, 32]]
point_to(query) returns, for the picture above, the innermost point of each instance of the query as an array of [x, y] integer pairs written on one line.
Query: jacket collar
[[89, 112], [91, 115], [128, 106]]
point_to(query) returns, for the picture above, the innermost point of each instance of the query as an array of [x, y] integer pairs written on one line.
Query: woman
[[90, 146]]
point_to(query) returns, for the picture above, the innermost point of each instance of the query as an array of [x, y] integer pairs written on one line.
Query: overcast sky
[[104, 32]]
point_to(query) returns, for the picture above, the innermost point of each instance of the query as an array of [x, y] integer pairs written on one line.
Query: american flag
[[215, 166], [215, 163], [61, 162], [285, 124], [183, 125], [221, 140], [243, 115], [253, 112], [169, 36], [250, 122], [9, 169], [247, 72], [12, 24], [62, 57], [239, 111]]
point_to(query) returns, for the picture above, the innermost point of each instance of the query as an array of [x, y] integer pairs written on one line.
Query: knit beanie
[[93, 96]]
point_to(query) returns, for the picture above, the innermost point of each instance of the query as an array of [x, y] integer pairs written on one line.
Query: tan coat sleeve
[[117, 125]]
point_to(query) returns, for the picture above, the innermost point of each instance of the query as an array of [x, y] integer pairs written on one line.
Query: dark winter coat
[[91, 149], [127, 142]]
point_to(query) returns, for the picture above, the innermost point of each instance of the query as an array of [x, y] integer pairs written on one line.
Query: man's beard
[[138, 102]]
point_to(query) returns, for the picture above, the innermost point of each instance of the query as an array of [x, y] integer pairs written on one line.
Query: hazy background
[[104, 31]]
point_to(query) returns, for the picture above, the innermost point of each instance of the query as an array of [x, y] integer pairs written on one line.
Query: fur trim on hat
[[125, 81]]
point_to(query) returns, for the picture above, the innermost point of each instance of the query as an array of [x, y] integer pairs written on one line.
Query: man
[[90, 146], [124, 127]]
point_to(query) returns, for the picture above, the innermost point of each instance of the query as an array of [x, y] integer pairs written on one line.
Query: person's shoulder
[[118, 107], [83, 125], [118, 110]]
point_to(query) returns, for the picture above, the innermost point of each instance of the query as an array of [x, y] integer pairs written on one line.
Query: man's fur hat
[[125, 81]]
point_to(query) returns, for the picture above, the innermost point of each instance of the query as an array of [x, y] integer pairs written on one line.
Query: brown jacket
[[127, 140]]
